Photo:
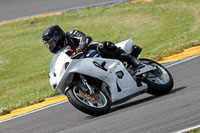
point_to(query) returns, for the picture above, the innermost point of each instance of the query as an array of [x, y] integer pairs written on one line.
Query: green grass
[[161, 28], [195, 131]]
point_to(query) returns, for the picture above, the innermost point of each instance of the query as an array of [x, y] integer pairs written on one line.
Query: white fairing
[[126, 45], [63, 69], [57, 67]]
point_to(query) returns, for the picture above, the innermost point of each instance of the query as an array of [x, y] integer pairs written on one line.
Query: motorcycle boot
[[132, 61], [109, 50]]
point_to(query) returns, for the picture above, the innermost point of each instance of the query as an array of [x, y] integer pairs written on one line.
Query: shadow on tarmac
[[134, 103], [146, 99]]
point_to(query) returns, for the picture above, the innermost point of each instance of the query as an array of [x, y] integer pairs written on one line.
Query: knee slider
[[100, 47]]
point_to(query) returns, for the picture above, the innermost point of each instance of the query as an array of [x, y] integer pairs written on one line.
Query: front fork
[[83, 79]]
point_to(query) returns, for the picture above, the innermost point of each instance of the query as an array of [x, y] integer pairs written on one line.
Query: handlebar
[[75, 55]]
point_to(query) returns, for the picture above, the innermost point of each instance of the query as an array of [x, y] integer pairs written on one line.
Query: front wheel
[[97, 104], [159, 81]]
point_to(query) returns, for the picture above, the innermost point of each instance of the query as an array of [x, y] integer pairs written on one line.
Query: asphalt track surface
[[12, 9], [143, 114]]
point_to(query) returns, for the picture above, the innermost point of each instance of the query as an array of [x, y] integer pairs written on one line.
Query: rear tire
[[82, 101], [159, 85]]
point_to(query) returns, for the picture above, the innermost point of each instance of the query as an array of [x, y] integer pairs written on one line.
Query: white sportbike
[[93, 85]]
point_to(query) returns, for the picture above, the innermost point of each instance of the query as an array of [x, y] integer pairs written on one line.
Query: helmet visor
[[50, 44]]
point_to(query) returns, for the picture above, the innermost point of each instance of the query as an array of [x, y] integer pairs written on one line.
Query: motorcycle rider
[[55, 39]]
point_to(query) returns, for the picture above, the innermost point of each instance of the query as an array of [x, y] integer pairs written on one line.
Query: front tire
[[158, 85], [95, 105]]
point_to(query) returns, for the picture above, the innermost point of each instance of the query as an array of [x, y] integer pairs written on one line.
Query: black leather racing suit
[[79, 42]]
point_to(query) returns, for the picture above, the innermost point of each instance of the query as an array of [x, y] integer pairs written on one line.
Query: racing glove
[[84, 44]]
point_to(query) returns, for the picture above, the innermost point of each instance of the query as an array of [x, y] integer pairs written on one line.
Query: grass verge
[[161, 28], [195, 131]]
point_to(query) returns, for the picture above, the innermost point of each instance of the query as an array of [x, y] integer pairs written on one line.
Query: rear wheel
[[159, 81], [96, 104]]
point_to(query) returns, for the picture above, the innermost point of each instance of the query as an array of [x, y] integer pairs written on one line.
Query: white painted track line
[[188, 129]]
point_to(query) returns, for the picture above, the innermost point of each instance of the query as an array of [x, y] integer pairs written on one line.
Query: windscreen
[[56, 55]]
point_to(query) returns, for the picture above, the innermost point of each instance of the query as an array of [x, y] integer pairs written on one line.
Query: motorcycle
[[93, 85]]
